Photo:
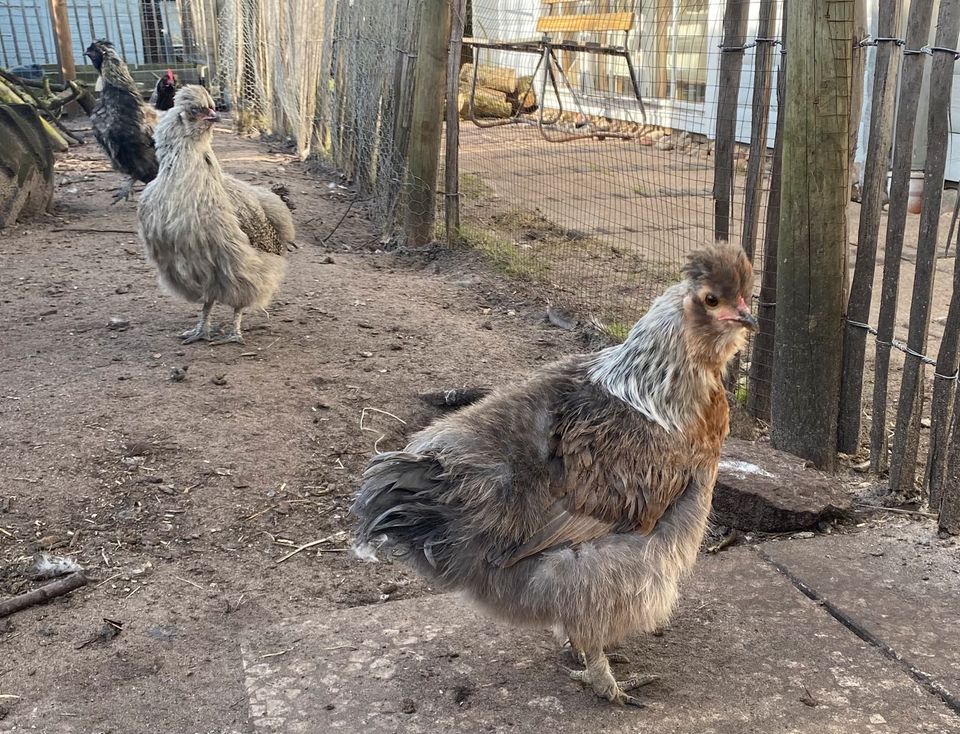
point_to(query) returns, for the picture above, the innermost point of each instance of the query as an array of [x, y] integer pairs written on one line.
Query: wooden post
[[813, 231], [858, 78], [761, 360], [942, 404], [760, 115], [731, 62], [451, 185], [903, 463], [949, 505], [63, 39], [875, 180], [911, 75], [423, 155]]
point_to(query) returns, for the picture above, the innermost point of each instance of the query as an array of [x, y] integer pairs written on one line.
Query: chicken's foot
[[200, 332], [235, 335], [599, 677], [124, 191], [615, 658]]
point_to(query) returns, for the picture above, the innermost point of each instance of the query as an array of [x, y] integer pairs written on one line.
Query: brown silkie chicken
[[578, 498], [212, 237], [122, 123]]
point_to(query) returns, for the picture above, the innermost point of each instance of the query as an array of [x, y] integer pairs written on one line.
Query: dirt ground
[[181, 498]]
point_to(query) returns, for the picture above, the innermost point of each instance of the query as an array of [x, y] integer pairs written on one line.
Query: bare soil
[[180, 497]]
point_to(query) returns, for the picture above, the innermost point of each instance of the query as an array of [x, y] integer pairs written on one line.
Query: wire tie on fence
[[732, 49], [943, 50], [771, 41], [917, 51], [871, 41], [954, 376]]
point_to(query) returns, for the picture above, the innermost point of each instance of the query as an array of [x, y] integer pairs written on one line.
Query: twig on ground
[[304, 547], [94, 231], [899, 511], [44, 593], [276, 654], [363, 416], [339, 221], [188, 581], [727, 540]]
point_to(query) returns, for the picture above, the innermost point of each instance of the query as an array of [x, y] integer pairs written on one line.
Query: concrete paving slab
[[747, 652], [898, 583]]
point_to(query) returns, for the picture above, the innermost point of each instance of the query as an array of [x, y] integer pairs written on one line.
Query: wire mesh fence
[[143, 31], [605, 140]]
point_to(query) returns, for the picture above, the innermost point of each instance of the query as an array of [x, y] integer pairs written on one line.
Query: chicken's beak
[[212, 115], [745, 317]]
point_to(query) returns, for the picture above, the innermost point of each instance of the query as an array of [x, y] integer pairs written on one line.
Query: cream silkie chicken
[[578, 498], [213, 237]]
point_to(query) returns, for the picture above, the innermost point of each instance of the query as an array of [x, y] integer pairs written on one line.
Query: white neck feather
[[652, 370], [179, 146]]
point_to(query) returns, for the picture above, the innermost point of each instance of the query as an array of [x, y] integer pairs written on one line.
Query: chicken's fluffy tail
[[400, 510]]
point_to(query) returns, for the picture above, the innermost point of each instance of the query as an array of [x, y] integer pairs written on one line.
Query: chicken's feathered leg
[[202, 330], [124, 191], [235, 335], [599, 677]]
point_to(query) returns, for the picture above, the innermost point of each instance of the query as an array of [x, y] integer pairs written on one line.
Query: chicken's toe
[[231, 337], [599, 677]]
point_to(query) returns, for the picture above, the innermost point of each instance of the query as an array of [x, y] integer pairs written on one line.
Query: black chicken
[[163, 93], [122, 124]]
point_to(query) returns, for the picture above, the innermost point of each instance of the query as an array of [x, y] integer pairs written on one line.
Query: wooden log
[[813, 232], [501, 78], [903, 465], [487, 103], [874, 183], [8, 96], [911, 75], [44, 593], [524, 99], [731, 62]]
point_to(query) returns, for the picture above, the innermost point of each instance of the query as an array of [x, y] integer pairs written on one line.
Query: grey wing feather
[[259, 217]]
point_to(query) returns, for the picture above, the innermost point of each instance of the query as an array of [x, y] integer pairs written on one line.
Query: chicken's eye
[[711, 300]]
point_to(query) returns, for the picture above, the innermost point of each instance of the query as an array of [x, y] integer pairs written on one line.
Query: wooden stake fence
[[875, 175], [903, 463], [911, 74]]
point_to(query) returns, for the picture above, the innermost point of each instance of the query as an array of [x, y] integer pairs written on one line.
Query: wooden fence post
[[875, 179], [759, 118], [903, 462], [911, 75], [761, 359], [813, 231], [451, 185], [63, 39], [731, 62], [423, 156]]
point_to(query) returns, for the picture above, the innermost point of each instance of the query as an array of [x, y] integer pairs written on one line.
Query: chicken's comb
[[170, 75]]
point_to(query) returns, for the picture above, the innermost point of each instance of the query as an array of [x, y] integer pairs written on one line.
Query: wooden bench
[[550, 24]]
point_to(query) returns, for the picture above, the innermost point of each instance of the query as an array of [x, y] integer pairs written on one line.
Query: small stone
[[117, 324], [389, 589], [121, 289], [178, 374], [219, 379], [366, 355], [407, 706], [328, 260], [805, 535]]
